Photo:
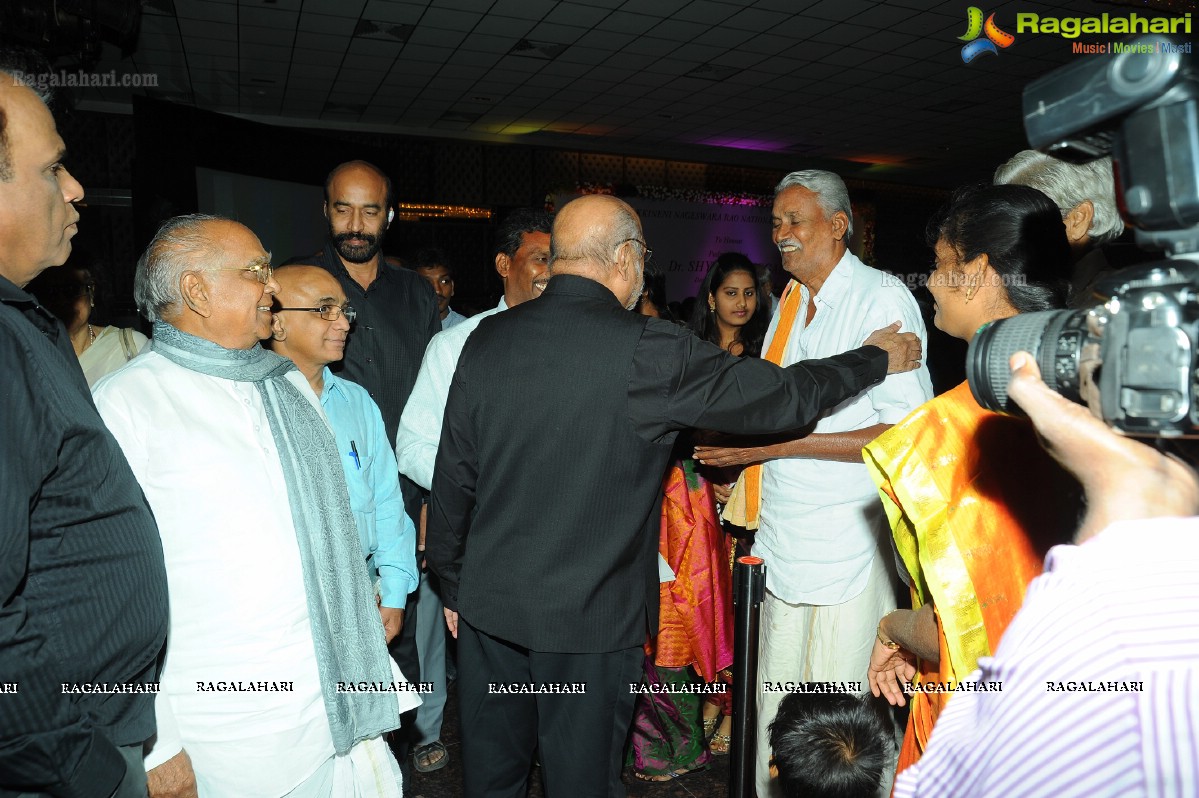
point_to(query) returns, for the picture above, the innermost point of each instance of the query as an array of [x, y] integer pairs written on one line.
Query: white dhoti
[[368, 770], [815, 643]]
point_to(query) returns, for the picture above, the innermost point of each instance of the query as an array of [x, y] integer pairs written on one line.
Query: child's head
[[830, 745]]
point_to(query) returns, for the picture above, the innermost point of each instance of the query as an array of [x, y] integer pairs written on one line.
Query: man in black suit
[[546, 495]]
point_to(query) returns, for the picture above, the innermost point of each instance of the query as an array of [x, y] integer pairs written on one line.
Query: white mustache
[[789, 242]]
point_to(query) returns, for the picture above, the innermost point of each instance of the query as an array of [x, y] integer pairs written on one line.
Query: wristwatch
[[891, 644]]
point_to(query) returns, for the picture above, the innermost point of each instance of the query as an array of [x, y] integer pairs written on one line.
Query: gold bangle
[[891, 644]]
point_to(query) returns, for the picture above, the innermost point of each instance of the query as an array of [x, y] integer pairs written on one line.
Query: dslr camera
[[1141, 107]]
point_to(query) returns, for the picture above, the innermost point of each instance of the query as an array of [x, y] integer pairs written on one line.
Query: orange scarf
[[751, 477]]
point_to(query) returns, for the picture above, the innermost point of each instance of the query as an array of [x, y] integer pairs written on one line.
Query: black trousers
[[580, 736]]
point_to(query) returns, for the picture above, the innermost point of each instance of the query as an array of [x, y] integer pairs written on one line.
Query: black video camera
[[1141, 107]]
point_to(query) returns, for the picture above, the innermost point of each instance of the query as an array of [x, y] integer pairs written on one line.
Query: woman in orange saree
[[695, 632], [973, 500]]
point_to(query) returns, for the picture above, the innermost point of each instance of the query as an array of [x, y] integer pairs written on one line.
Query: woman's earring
[[972, 285]]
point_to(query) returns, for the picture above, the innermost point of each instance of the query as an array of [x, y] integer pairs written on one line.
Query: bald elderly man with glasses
[[310, 330], [551, 591], [277, 680]]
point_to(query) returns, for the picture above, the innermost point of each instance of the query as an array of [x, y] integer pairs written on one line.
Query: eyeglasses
[[330, 312], [262, 272], [649, 253]]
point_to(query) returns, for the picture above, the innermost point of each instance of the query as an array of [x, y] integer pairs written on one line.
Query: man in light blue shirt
[[310, 327], [521, 260]]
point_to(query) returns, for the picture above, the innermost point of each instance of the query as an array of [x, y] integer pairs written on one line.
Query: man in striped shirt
[[83, 592], [1099, 671]]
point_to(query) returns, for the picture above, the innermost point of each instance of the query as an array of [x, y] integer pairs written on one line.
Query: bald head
[[358, 207], [300, 282], [18, 69], [599, 237], [359, 171], [588, 230], [299, 330], [37, 193]]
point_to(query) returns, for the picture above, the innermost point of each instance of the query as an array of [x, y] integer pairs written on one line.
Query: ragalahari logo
[[975, 27]]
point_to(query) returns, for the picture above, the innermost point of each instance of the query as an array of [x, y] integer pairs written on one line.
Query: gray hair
[[180, 245], [829, 188], [598, 249], [1069, 185]]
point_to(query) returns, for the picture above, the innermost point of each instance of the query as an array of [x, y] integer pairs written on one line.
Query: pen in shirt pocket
[[354, 454]]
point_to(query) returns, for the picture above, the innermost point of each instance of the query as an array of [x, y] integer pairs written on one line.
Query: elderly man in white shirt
[[521, 260], [821, 527], [277, 680]]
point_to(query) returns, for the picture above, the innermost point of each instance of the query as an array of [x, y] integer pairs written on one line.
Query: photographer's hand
[[1124, 480]]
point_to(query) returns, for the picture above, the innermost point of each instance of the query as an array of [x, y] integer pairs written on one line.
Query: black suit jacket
[[558, 429]]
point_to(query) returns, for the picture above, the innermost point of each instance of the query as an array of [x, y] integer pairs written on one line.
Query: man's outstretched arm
[[711, 389]]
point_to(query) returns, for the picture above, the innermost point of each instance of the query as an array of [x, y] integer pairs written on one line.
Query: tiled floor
[[447, 782]]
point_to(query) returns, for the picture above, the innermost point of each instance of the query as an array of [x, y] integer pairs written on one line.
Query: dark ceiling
[[874, 90]]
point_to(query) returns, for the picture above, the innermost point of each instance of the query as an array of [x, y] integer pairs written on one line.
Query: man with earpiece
[[396, 317]]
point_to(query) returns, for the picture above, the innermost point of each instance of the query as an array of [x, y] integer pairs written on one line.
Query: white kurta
[[419, 432], [821, 521], [202, 449]]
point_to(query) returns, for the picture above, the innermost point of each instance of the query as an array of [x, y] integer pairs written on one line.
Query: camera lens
[[1054, 337]]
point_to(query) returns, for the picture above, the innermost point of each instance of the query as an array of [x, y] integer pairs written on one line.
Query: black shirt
[[558, 428], [83, 591], [397, 316]]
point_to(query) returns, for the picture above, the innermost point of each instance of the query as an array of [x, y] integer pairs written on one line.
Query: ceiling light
[[386, 31], [713, 72], [546, 51], [460, 116]]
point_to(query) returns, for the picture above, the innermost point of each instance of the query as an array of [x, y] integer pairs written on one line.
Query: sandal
[[676, 774], [719, 744], [430, 757]]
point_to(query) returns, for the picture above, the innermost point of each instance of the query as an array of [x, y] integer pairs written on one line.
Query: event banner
[[687, 237]]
